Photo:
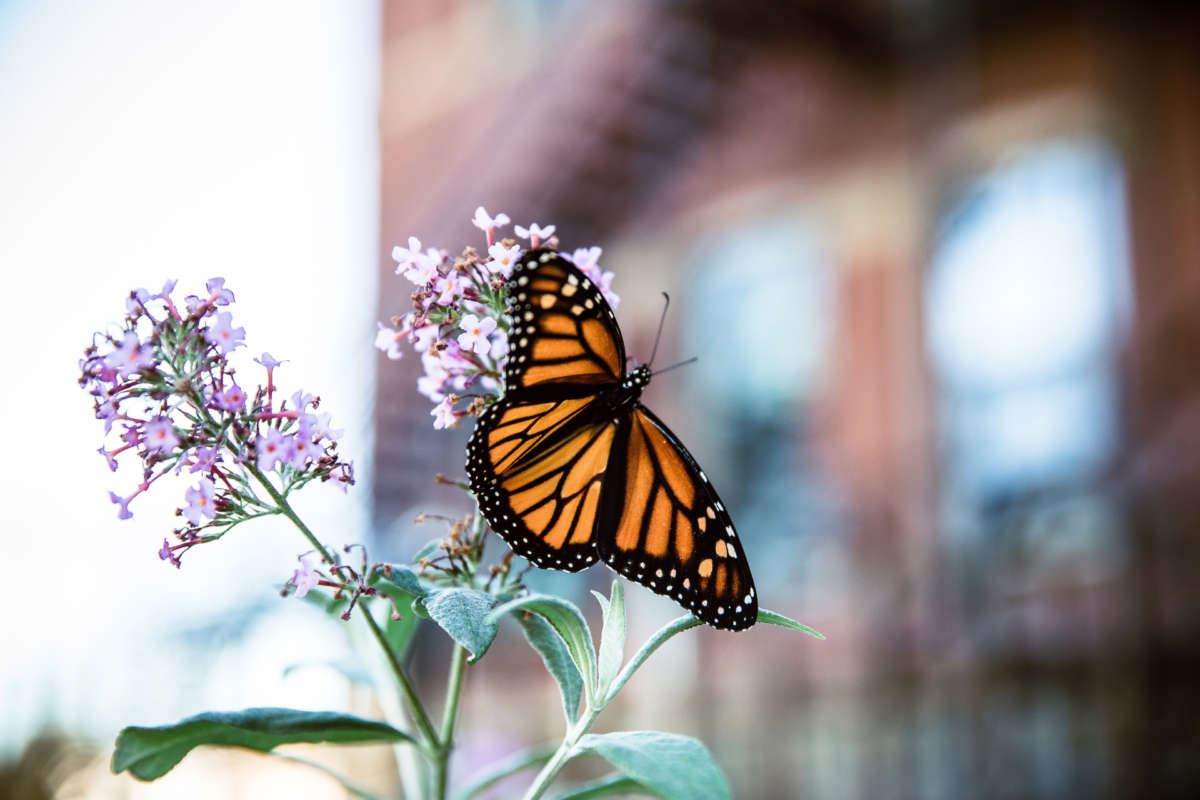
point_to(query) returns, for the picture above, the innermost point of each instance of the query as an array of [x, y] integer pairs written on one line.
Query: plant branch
[[446, 742], [417, 710], [285, 508], [562, 755]]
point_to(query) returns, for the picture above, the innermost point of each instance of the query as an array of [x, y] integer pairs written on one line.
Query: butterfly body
[[570, 468]]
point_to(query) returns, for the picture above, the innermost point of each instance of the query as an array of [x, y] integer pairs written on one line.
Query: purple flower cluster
[[164, 388], [458, 323]]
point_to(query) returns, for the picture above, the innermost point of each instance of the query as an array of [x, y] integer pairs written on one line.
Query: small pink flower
[[418, 267], [301, 448], [201, 502], [316, 427], [586, 259], [232, 399], [130, 358], [272, 449], [223, 335], [112, 462], [167, 553], [206, 459], [443, 415], [403, 256], [449, 287], [268, 361], [502, 259], [485, 222], [432, 383], [605, 283], [159, 435], [122, 503], [300, 399], [217, 291], [305, 578], [388, 340], [534, 233], [475, 334]]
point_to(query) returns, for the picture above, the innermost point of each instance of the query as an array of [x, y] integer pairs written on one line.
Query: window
[[1026, 302]]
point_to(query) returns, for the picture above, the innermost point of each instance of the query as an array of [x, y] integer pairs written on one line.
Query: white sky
[[142, 140]]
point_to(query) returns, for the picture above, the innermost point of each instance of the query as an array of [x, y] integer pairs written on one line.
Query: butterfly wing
[[563, 331], [537, 468], [666, 528], [537, 457]]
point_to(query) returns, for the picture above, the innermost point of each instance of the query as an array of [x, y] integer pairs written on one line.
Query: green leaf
[[612, 637], [617, 784], [465, 614], [400, 577], [426, 550], [670, 766], [568, 622], [553, 650], [773, 618], [150, 753], [656, 641]]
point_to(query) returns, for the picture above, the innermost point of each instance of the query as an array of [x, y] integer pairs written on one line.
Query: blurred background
[[939, 262]]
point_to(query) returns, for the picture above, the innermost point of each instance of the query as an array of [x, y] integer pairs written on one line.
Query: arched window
[[1027, 299]]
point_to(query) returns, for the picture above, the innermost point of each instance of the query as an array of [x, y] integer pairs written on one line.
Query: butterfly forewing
[[669, 530], [563, 331]]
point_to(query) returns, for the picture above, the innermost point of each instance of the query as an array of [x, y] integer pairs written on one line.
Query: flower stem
[[417, 710], [563, 754], [449, 715], [284, 508]]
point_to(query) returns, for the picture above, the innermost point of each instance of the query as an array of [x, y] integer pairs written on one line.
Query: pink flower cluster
[[458, 323], [164, 387]]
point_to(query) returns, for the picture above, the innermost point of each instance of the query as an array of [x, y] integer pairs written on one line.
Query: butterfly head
[[637, 380]]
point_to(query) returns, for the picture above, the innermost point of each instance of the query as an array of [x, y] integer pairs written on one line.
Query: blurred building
[[940, 264]]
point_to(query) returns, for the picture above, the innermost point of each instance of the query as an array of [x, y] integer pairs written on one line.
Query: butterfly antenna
[[661, 320], [691, 360]]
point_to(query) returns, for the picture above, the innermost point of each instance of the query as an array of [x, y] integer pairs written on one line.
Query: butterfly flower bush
[[177, 403]]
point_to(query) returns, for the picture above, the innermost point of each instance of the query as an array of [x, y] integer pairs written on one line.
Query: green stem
[[284, 508], [449, 715], [562, 755], [417, 710]]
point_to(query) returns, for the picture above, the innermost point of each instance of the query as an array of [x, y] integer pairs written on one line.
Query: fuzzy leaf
[[427, 549], [464, 614], [568, 622], [774, 618], [612, 637], [670, 766], [553, 650], [609, 786], [150, 753], [656, 641], [401, 577]]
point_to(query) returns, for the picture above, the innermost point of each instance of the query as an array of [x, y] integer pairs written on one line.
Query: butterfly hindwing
[[563, 330], [665, 527]]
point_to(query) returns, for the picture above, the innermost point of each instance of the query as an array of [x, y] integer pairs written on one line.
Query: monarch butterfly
[[569, 468]]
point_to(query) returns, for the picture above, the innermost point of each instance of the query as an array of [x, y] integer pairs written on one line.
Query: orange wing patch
[[563, 330], [672, 534]]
